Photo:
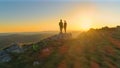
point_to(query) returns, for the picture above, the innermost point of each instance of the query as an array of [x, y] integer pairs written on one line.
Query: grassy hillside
[[92, 49]]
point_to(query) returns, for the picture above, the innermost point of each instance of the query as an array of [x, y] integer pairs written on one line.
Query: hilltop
[[96, 48]]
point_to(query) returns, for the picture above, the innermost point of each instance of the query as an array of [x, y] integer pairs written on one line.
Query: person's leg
[[65, 29], [60, 30]]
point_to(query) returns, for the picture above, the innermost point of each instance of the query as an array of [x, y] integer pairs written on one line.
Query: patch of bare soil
[[77, 64], [92, 49], [62, 64], [63, 50], [109, 50], [94, 64], [115, 42], [45, 52]]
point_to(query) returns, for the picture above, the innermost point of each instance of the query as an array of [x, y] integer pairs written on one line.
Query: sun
[[86, 25], [83, 22]]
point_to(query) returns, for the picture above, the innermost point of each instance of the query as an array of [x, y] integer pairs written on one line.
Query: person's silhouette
[[61, 25], [65, 26]]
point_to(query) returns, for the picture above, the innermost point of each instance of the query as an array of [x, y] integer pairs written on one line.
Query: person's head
[[60, 20], [64, 21]]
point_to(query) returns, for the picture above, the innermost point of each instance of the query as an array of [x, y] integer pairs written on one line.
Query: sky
[[44, 15]]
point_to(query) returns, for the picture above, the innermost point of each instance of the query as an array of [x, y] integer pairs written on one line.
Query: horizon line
[[56, 30]]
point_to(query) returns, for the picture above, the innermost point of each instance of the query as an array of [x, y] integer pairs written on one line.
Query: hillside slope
[[92, 49]]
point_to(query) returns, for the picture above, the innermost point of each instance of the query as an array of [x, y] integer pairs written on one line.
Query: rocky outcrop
[[63, 36], [15, 48], [5, 54]]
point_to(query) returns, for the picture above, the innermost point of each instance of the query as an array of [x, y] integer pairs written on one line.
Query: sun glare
[[86, 25]]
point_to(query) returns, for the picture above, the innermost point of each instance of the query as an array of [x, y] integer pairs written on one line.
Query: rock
[[64, 36], [2, 52], [14, 48], [36, 63], [46, 50], [26, 47], [4, 57]]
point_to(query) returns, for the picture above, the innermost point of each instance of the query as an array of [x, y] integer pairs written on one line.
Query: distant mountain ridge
[[6, 40]]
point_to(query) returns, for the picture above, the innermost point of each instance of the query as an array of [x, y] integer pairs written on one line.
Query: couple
[[62, 25]]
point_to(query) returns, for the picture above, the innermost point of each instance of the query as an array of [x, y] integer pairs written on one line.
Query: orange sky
[[45, 16]]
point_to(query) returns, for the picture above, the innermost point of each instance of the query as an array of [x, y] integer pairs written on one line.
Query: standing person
[[65, 26], [61, 25]]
